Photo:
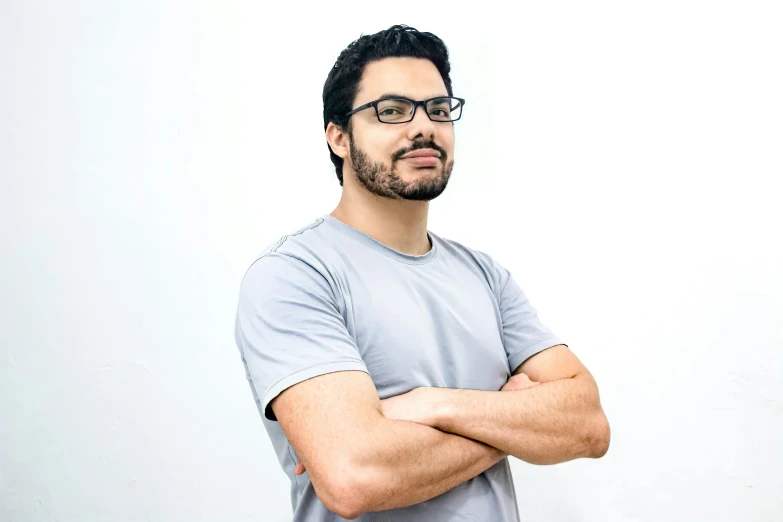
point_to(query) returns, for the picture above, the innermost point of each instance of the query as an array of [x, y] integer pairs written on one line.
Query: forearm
[[550, 423], [408, 463]]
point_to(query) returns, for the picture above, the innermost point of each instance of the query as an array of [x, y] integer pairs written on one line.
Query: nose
[[421, 126]]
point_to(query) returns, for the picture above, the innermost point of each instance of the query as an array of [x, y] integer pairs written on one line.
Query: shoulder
[[299, 257], [308, 239]]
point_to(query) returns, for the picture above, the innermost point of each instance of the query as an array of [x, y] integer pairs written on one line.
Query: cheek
[[381, 145], [449, 149], [448, 140]]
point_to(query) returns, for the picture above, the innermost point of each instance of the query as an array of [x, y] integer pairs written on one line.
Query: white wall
[[620, 158]]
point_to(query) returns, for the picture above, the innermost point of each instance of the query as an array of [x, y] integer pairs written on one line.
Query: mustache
[[421, 145]]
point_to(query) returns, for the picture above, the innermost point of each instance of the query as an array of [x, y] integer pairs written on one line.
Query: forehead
[[415, 78]]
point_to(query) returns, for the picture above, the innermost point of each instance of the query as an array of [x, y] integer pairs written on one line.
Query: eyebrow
[[395, 95]]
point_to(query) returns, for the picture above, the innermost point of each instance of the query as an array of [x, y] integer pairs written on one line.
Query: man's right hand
[[517, 382]]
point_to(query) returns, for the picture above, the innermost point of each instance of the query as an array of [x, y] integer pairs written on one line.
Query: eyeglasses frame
[[415, 106]]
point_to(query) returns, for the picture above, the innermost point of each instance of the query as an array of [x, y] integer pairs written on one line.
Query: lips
[[423, 161], [423, 158], [422, 153]]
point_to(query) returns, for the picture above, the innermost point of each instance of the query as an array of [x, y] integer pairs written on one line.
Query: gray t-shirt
[[329, 298]]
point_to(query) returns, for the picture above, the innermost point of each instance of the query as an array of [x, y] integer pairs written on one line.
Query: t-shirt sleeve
[[524, 335], [289, 327]]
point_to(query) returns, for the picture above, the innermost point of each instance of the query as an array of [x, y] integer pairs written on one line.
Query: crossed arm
[[423, 443], [558, 420]]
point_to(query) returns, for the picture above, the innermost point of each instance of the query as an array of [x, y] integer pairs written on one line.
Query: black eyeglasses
[[402, 110]]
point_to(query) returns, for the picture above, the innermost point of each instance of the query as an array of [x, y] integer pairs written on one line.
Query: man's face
[[376, 148]]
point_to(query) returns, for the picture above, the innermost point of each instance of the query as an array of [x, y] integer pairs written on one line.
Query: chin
[[425, 170]]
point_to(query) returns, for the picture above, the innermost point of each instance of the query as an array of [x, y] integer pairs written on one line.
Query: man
[[395, 371]]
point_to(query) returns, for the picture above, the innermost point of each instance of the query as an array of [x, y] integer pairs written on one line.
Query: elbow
[[346, 495], [599, 437], [348, 511]]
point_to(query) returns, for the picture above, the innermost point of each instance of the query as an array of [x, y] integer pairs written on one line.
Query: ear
[[338, 140]]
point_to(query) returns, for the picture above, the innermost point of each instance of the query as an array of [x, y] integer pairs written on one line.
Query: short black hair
[[342, 83]]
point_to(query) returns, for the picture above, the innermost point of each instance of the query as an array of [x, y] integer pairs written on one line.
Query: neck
[[397, 223]]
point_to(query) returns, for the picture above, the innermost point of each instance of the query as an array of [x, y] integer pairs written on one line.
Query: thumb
[[299, 468]]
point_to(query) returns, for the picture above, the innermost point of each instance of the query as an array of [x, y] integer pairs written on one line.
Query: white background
[[622, 159]]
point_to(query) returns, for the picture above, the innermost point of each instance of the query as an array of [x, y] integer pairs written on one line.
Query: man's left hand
[[417, 405]]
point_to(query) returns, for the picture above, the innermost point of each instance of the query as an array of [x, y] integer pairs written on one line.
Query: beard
[[386, 182]]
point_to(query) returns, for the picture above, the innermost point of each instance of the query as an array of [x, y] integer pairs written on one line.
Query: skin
[[384, 196], [409, 406]]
